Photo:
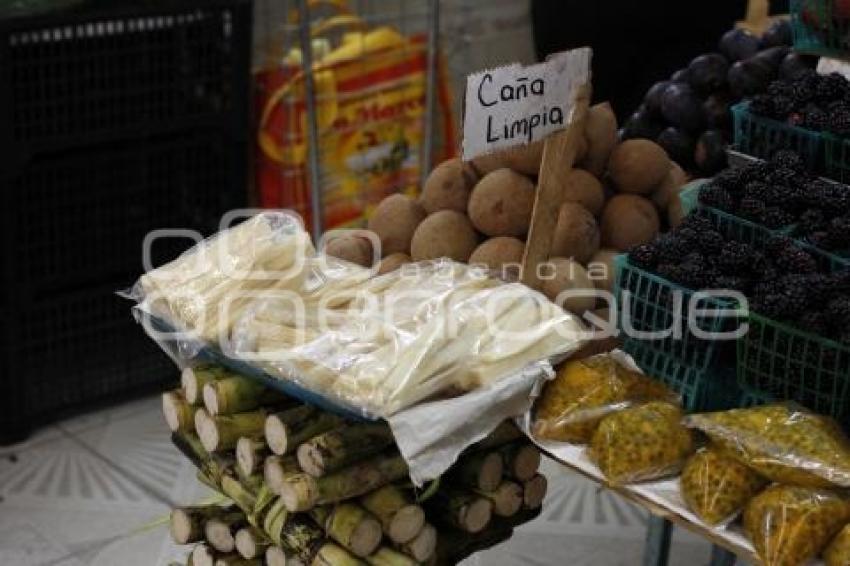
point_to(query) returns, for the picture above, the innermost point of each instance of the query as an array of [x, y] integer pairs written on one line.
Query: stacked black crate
[[114, 121]]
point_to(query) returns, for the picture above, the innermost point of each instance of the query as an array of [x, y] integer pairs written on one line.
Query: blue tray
[[213, 354]]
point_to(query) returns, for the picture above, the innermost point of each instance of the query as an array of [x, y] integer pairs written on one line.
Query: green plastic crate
[[782, 362], [762, 137], [817, 31]]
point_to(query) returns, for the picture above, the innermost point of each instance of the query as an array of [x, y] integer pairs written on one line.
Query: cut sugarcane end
[[189, 384], [247, 545], [182, 528], [311, 460], [174, 408], [246, 455], [274, 475], [476, 516], [526, 463], [366, 537], [299, 493], [534, 491], [203, 555], [507, 499], [275, 556], [219, 536], [490, 474], [406, 524], [276, 432], [423, 546], [210, 395], [208, 433]]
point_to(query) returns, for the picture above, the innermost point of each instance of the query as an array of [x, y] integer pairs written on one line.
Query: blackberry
[[762, 105], [812, 321], [644, 255], [696, 222], [835, 197], [804, 88], [795, 260], [818, 286], [819, 239], [839, 122], [787, 196], [717, 197], [751, 208], [782, 107], [771, 306], [839, 232], [777, 244], [734, 258], [812, 220], [796, 301], [838, 310], [757, 190], [774, 217], [814, 118], [670, 249], [788, 159], [669, 271], [712, 242], [733, 282], [730, 179], [831, 87], [780, 88]]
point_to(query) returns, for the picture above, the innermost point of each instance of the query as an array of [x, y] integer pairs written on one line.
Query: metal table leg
[[656, 552], [722, 557]]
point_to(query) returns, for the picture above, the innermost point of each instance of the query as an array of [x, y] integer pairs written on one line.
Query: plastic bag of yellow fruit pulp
[[783, 442], [716, 488], [789, 525], [586, 391], [641, 443], [838, 551]]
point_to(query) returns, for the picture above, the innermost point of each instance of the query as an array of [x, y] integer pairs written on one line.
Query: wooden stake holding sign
[[515, 105]]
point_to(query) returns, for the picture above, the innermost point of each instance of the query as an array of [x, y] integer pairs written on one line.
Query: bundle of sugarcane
[[311, 487]]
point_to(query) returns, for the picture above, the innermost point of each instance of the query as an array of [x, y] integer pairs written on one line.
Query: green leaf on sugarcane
[[429, 492]]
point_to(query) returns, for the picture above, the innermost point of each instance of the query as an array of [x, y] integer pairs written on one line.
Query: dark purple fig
[[707, 73], [710, 152], [796, 64], [716, 110], [681, 107], [738, 44], [652, 100], [678, 144], [778, 34]]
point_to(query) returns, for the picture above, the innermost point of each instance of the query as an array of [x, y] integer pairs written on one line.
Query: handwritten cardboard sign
[[516, 105]]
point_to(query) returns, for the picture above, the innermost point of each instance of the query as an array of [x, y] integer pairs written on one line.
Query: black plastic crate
[[122, 70], [80, 218], [70, 351]]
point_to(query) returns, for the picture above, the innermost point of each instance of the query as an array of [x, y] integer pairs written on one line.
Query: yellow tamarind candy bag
[[716, 487], [586, 391], [838, 551], [789, 525], [784, 443], [641, 443]]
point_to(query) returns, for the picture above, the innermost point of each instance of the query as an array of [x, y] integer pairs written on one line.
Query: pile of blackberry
[[813, 101], [782, 282], [779, 193]]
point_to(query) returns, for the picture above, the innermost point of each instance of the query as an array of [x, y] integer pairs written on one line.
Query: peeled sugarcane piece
[[220, 531], [237, 394], [179, 414], [400, 519], [423, 545], [534, 491], [285, 430], [203, 555], [335, 449], [251, 542], [221, 432], [462, 510], [332, 555], [479, 470], [275, 556], [303, 492], [236, 560], [502, 434], [194, 379], [277, 468], [386, 556], [351, 526], [186, 524], [522, 460], [507, 498], [250, 454]]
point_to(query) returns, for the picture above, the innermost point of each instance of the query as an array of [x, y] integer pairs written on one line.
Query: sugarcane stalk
[[303, 492], [350, 525], [422, 547], [478, 470], [534, 491], [221, 530], [203, 555], [194, 379], [386, 556], [179, 414], [400, 519], [277, 468], [236, 560], [238, 493], [237, 394], [462, 510], [286, 430], [251, 542], [332, 555], [453, 546], [522, 460], [301, 539], [502, 434], [186, 524], [221, 432], [275, 556], [507, 498], [335, 449], [212, 466], [274, 520], [250, 454]]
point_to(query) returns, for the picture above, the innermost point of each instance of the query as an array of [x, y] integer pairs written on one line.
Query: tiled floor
[[94, 491]]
